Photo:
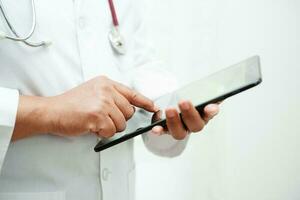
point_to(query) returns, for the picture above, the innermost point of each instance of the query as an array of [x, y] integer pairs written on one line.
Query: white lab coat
[[55, 168]]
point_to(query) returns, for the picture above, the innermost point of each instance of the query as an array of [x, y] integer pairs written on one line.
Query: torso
[[80, 51]]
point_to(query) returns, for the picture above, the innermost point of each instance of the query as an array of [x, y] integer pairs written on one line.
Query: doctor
[[56, 100]]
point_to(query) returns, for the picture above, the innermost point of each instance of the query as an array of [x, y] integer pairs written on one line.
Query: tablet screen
[[214, 87]]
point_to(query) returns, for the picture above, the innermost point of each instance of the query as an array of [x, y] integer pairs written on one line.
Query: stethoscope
[[116, 40]]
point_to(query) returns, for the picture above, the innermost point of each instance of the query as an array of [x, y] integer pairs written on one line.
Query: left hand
[[193, 121]]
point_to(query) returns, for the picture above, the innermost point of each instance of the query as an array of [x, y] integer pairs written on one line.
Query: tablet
[[211, 89]]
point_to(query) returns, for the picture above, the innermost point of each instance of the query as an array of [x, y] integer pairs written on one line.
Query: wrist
[[51, 114], [32, 117], [44, 114]]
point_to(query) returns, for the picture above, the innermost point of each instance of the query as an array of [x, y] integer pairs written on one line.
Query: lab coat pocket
[[33, 196], [131, 184]]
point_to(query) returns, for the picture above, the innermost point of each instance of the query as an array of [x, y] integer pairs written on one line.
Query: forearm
[[33, 117], [101, 106]]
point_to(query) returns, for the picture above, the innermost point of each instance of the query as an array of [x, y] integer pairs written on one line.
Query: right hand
[[99, 106]]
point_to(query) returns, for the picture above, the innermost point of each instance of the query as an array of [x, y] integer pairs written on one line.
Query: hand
[[100, 106], [193, 121]]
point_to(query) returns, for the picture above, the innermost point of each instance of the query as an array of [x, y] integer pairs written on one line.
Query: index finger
[[135, 98]]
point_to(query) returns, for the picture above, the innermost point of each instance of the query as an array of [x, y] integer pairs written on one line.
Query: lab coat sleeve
[[9, 99], [149, 77]]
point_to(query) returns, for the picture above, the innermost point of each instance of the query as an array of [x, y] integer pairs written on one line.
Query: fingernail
[[185, 105], [156, 130], [213, 108], [170, 113]]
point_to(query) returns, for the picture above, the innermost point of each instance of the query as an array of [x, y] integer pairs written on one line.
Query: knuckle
[[98, 111], [107, 133], [121, 127], [93, 116], [151, 103], [92, 127], [105, 87], [102, 77], [134, 95], [104, 102], [129, 113]]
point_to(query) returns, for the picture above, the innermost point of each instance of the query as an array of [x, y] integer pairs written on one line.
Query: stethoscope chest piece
[[115, 38], [117, 41]]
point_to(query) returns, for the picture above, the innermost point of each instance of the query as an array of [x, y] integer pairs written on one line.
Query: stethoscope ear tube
[[17, 37], [116, 39]]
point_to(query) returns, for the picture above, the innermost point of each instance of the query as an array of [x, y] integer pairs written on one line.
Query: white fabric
[[8, 110], [51, 167]]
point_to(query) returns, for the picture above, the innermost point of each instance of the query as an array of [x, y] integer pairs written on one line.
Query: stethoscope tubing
[[113, 13], [25, 39], [13, 30]]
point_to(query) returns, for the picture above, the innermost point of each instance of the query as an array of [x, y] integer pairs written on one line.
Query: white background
[[251, 150]]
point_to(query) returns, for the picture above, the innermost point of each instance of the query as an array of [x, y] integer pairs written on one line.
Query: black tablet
[[211, 89]]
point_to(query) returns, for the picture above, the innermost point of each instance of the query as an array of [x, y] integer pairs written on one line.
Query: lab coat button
[[105, 174]]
